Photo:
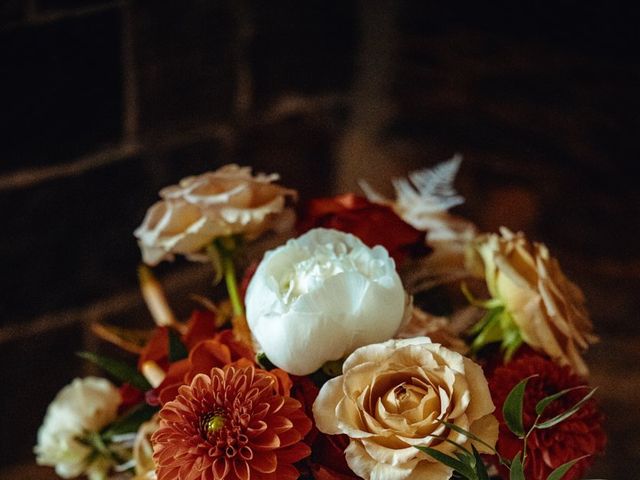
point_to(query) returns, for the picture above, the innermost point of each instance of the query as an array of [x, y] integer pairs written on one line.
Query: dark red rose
[[327, 461], [372, 223], [580, 434], [131, 396]]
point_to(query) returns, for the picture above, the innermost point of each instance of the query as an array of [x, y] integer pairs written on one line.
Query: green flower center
[[212, 422]]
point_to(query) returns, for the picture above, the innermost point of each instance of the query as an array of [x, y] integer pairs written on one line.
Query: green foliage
[[481, 470], [512, 408], [496, 325], [120, 370], [564, 415], [517, 468], [545, 402], [264, 362], [177, 349], [130, 421], [560, 472], [462, 468]]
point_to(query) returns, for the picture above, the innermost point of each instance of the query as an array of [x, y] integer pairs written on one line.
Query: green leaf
[[489, 304], [462, 468], [559, 472], [463, 451], [481, 470], [216, 263], [517, 468], [563, 416], [177, 350], [546, 401], [130, 421], [511, 341], [264, 362], [512, 408], [490, 317], [120, 370], [491, 333], [467, 433]]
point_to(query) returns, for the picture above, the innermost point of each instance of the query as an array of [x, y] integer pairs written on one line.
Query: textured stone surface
[[72, 240], [185, 69], [28, 367], [302, 47]]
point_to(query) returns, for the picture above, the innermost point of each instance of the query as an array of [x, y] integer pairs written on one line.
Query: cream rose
[[391, 398], [143, 450], [81, 408], [320, 296], [546, 307], [201, 208]]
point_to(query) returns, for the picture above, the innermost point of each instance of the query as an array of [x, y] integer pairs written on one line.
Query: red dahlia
[[581, 434], [231, 424]]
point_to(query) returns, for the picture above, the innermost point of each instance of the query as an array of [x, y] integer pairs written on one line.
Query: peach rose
[[391, 398], [201, 208], [547, 308]]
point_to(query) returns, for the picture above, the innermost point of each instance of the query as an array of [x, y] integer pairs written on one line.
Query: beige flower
[[392, 397], [547, 308], [201, 208], [145, 467]]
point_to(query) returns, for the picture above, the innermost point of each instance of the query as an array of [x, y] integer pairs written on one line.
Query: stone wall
[[104, 102]]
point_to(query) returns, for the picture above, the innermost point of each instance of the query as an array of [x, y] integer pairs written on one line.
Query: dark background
[[102, 103]]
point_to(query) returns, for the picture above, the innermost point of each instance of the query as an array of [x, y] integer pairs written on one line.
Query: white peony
[[85, 406], [319, 297]]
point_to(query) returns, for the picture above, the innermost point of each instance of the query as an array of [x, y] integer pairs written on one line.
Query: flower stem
[[231, 282]]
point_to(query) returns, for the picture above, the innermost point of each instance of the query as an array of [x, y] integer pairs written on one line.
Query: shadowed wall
[[103, 103]]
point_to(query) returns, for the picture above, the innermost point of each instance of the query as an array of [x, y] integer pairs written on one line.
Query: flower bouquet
[[377, 338]]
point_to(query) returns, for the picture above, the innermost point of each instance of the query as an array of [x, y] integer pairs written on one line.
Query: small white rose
[[320, 296], [85, 406]]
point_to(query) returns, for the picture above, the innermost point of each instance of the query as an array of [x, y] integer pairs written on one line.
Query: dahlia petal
[[266, 441], [287, 472], [242, 470], [265, 462], [289, 438], [220, 467], [280, 424], [256, 428], [294, 453]]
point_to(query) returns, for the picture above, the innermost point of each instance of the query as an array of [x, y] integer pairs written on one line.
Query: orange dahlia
[[231, 424]]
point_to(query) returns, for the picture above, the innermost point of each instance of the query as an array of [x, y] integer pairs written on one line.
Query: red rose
[[372, 223], [580, 434], [327, 461]]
